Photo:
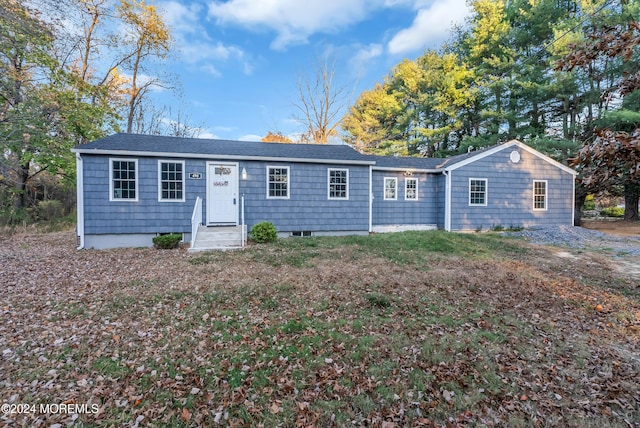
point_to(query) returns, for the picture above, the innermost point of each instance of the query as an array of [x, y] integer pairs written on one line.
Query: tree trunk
[[20, 189], [631, 198], [581, 197]]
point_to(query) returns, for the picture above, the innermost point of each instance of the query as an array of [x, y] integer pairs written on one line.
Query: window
[[478, 191], [338, 184], [539, 195], [123, 179], [411, 189], [278, 182], [171, 181], [390, 186]]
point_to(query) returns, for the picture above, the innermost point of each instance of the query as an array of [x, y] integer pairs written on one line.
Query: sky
[[238, 61]]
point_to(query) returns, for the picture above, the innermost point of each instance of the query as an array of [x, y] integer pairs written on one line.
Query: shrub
[[612, 212], [264, 231], [589, 203], [166, 242], [47, 210]]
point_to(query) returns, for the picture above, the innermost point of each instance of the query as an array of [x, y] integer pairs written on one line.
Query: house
[[134, 187]]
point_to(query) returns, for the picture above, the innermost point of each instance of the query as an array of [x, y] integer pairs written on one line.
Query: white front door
[[222, 193]]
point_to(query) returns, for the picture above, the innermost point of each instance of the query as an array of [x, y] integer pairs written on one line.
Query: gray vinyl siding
[[510, 193], [308, 207], [147, 215], [401, 211]]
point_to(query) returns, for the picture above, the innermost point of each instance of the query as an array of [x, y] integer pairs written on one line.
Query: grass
[[338, 331]]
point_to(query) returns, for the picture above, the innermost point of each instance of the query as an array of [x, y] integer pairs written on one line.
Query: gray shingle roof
[[154, 145], [176, 146]]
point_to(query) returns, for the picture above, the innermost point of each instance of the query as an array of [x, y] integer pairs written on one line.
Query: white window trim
[[486, 191], [546, 195], [384, 189], [329, 170], [184, 182], [288, 182], [406, 180], [137, 180]]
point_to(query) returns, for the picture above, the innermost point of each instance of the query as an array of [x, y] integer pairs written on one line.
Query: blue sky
[[238, 61]]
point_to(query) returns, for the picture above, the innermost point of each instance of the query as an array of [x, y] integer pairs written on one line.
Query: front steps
[[218, 238]]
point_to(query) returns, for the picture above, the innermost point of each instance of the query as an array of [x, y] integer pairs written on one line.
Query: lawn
[[409, 329]]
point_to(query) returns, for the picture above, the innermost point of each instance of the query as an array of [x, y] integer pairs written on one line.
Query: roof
[[155, 145], [459, 161]]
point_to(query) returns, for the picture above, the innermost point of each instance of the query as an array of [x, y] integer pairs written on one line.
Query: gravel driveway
[[581, 238]]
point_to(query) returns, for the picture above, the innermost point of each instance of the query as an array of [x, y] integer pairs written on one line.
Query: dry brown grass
[[422, 329]]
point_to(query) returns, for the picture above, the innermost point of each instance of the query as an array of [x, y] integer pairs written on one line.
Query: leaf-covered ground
[[413, 329]]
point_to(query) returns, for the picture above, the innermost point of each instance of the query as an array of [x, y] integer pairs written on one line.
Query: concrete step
[[218, 238]]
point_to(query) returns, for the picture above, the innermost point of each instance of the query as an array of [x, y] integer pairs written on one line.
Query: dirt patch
[[614, 227]]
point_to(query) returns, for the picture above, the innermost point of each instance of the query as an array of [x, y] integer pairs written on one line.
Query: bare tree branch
[[320, 104]]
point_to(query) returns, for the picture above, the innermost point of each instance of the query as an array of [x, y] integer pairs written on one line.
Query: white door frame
[[210, 219]]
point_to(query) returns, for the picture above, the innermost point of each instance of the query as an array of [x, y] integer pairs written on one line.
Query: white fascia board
[[217, 157], [506, 146], [389, 168]]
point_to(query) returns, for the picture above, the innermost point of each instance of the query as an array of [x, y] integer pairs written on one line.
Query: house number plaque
[[195, 175]]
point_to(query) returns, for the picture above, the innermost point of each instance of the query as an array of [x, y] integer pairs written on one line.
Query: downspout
[[370, 198], [79, 202], [447, 201], [573, 201]]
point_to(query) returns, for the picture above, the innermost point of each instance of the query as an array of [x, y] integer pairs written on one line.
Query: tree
[[148, 36], [612, 158], [45, 109], [319, 104], [26, 104], [370, 124], [276, 137]]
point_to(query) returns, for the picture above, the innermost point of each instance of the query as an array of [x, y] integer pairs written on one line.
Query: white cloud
[[197, 51], [293, 20], [363, 57], [431, 25], [250, 137], [181, 18], [194, 43], [211, 70], [207, 135]]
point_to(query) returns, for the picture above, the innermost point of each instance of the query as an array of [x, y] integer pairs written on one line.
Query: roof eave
[[506, 146], [217, 156]]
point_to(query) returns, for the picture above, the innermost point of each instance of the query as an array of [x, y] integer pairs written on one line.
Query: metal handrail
[[196, 220], [244, 226]]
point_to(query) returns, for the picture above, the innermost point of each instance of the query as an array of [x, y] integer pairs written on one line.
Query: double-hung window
[[278, 182], [338, 183], [123, 179], [411, 189], [390, 188], [171, 181], [539, 195], [477, 191]]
